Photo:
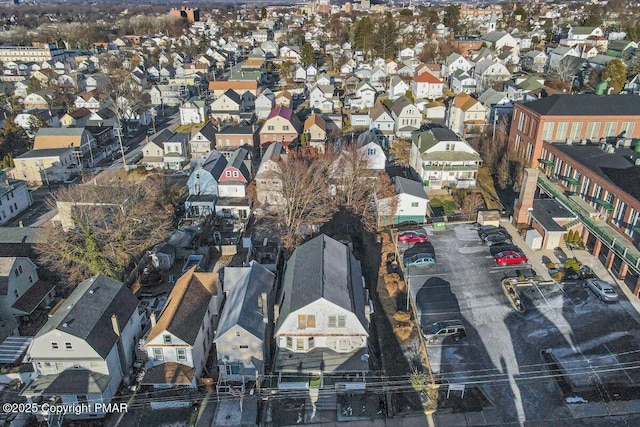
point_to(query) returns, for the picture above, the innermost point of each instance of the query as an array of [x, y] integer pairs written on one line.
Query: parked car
[[496, 238], [503, 246], [495, 231], [603, 290], [443, 329], [484, 229], [420, 260], [510, 258], [414, 236]]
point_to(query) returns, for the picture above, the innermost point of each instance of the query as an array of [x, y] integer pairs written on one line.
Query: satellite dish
[[364, 357]]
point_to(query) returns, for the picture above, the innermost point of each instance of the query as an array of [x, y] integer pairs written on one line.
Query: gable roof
[[233, 96], [87, 312], [408, 186], [464, 101], [399, 105], [245, 286], [215, 164], [586, 105], [186, 307], [58, 137], [378, 110], [426, 77], [321, 268], [315, 119], [237, 161], [208, 131], [237, 85]]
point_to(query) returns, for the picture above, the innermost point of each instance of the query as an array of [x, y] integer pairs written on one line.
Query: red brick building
[[561, 118]]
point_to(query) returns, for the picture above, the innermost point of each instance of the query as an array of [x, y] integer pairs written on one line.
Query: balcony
[[450, 168], [609, 236]]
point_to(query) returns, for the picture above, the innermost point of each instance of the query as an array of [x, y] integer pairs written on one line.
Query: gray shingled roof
[[322, 268], [87, 312], [586, 105], [245, 286], [237, 160], [407, 186], [208, 131]]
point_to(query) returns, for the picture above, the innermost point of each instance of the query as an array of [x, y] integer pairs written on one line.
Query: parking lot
[[503, 349]]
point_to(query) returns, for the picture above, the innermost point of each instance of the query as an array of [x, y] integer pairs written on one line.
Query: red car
[[412, 237], [510, 257]]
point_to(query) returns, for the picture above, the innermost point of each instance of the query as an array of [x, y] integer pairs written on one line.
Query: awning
[[572, 180], [13, 348], [546, 162], [606, 205]]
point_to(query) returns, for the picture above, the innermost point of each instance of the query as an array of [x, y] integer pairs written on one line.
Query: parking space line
[[623, 370]]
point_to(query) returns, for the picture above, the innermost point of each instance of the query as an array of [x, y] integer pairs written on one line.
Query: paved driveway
[[502, 350]]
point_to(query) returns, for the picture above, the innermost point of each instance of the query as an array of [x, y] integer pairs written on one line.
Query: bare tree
[[401, 152], [565, 69], [472, 202], [356, 186], [304, 195], [104, 229]]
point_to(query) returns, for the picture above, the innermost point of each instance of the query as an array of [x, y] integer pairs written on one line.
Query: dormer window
[[166, 339]]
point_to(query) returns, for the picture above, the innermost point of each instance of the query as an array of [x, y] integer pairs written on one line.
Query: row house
[[407, 117], [466, 115], [426, 86], [14, 197], [202, 185], [322, 98], [171, 95], [268, 182], [203, 141], [195, 110], [315, 129], [23, 292]]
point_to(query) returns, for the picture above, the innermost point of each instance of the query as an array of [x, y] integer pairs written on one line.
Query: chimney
[[152, 318], [524, 203]]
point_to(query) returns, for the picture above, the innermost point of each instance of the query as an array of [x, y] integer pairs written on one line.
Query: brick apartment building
[[561, 118]]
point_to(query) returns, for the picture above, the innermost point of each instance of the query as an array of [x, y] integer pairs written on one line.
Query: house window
[[228, 174], [285, 127], [593, 128], [299, 344], [306, 321], [414, 204], [232, 369], [68, 346], [237, 333], [337, 321], [561, 131], [310, 343], [30, 278], [181, 354], [244, 347], [576, 130], [157, 354], [371, 151], [54, 346], [166, 339], [16, 293], [270, 127], [289, 342], [547, 131], [16, 272], [341, 321], [235, 174]]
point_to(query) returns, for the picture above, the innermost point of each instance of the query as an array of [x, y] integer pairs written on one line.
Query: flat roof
[[546, 211], [617, 167]]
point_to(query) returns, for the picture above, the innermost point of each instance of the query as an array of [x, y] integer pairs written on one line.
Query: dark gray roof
[[233, 95], [616, 167], [546, 211], [586, 105], [215, 164], [45, 152], [70, 381], [407, 186], [208, 131], [245, 286], [444, 134], [162, 136], [321, 360], [237, 160], [87, 312], [322, 268], [238, 130]]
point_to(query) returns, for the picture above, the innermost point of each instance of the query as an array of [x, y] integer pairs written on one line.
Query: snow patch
[[575, 399]]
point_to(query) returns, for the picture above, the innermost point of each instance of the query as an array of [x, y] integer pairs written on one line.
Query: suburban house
[[315, 129], [86, 348], [282, 125], [82, 141], [406, 116], [461, 81], [195, 110], [203, 140], [427, 86], [466, 115], [264, 103], [322, 98], [22, 292], [227, 106], [75, 118], [455, 62], [234, 136], [152, 154], [236, 176], [178, 344], [487, 73], [243, 336], [93, 100], [268, 183], [534, 61], [397, 88], [323, 323], [217, 88], [44, 166], [203, 185], [409, 204], [14, 196], [498, 40], [444, 160], [282, 99], [364, 96], [176, 150], [382, 119]]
